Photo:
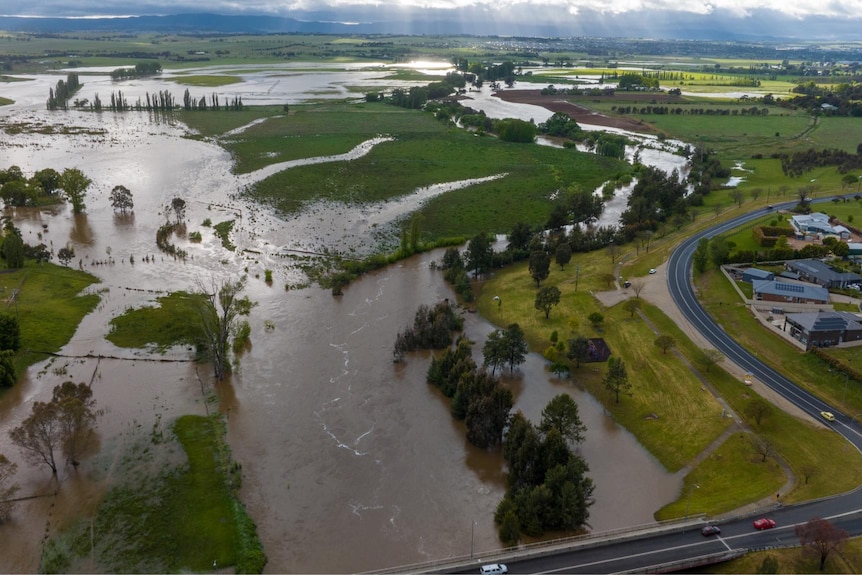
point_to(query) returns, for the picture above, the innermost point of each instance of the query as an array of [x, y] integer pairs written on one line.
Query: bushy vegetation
[[432, 329]]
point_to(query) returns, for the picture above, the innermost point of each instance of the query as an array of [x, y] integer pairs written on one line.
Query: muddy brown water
[[350, 462]]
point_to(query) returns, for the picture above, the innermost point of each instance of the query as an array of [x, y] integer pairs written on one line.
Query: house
[[824, 328], [751, 274], [817, 224], [815, 271], [786, 292]]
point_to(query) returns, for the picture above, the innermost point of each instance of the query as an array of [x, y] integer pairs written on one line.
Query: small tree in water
[[219, 309]]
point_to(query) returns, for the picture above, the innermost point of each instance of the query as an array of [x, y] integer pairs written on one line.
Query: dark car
[[710, 530], [764, 523]]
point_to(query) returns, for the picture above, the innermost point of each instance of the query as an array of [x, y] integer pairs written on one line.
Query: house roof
[[757, 273], [793, 290], [818, 269], [817, 221], [826, 321]]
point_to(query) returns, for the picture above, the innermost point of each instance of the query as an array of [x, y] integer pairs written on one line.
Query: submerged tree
[[39, 436], [219, 309], [74, 184], [76, 412], [121, 199]]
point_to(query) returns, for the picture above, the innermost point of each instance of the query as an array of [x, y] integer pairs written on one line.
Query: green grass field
[[48, 305], [172, 321]]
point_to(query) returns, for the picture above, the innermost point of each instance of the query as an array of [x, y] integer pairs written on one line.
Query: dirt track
[[580, 114]]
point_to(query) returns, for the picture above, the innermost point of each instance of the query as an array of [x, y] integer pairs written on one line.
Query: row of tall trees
[[141, 70], [59, 96]]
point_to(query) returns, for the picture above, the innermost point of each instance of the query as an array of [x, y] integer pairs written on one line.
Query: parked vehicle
[[764, 523], [710, 530]]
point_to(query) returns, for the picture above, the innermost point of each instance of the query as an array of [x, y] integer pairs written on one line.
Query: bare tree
[[665, 342], [820, 537], [632, 306], [756, 193], [761, 447], [738, 196], [77, 415], [758, 409], [7, 488], [711, 357], [178, 205], [220, 306], [39, 436], [637, 287], [613, 252]]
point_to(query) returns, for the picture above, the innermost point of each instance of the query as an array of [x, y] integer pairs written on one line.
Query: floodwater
[[350, 462]]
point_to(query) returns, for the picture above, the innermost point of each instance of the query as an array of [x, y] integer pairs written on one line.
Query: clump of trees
[[432, 329], [10, 342], [141, 70], [548, 487], [505, 347], [58, 97], [476, 396], [16, 189]]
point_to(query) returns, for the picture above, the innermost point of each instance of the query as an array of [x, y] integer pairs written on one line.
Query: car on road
[[493, 569], [710, 530], [652, 271], [827, 416], [764, 523]]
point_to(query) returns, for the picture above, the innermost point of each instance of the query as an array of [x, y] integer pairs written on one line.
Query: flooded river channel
[[350, 462]]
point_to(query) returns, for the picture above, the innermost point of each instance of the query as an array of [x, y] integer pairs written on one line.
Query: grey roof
[[758, 273], [821, 271], [793, 290], [826, 321]]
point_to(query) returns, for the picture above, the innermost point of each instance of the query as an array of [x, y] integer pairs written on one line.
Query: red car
[[764, 523]]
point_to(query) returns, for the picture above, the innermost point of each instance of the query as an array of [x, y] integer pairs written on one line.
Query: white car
[[652, 271], [494, 569]]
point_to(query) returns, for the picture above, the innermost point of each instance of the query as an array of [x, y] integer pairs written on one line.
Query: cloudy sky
[[793, 19]]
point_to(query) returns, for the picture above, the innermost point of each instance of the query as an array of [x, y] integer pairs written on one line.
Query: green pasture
[[172, 321], [207, 80], [49, 307], [424, 152]]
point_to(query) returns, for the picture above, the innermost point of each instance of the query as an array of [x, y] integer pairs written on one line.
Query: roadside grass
[[808, 449], [807, 370], [731, 476], [667, 408], [206, 80], [172, 321], [795, 560], [49, 307], [170, 513]]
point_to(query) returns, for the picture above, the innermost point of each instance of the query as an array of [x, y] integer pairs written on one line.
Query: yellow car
[[827, 416]]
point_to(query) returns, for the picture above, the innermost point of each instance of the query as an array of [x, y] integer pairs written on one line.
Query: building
[[751, 274], [817, 272], [817, 224], [786, 292], [824, 328]]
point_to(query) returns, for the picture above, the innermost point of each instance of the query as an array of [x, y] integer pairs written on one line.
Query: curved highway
[[679, 281]]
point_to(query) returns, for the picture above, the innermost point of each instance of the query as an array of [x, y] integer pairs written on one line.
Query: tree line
[[680, 111], [141, 70]]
